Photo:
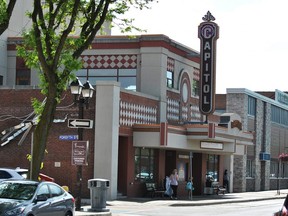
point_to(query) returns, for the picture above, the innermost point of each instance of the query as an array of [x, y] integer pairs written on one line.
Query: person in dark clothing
[[226, 180]]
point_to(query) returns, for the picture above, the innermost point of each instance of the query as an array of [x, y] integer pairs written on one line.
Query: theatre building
[[146, 120]]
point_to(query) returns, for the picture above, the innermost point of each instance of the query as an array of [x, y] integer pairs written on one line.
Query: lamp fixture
[[76, 87], [87, 90]]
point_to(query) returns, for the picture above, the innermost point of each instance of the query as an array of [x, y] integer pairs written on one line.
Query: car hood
[[7, 204]]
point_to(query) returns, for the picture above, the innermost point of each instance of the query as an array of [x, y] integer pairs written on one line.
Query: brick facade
[[57, 162], [269, 137]]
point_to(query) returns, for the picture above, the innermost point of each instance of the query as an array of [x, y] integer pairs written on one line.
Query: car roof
[[13, 169], [22, 181], [19, 171]]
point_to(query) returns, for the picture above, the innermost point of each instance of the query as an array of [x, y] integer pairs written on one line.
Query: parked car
[[25, 197], [144, 175], [18, 173], [284, 208], [6, 173]]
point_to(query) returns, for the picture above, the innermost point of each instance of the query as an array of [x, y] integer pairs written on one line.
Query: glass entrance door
[[212, 173]]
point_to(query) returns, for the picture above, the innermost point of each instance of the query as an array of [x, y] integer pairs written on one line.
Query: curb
[[216, 202]]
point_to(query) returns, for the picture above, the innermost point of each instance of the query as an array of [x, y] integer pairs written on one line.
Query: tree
[[5, 14], [50, 47]]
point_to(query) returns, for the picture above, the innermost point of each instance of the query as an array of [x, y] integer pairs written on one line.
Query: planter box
[[208, 190]]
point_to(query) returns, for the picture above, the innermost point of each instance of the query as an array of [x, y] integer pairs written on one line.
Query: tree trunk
[[41, 133]]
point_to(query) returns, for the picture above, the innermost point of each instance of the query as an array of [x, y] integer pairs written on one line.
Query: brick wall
[[237, 103], [17, 103]]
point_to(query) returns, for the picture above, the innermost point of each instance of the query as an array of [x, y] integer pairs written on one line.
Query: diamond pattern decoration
[[109, 61], [196, 74], [170, 64], [131, 113], [195, 113], [173, 109], [184, 113], [188, 113]]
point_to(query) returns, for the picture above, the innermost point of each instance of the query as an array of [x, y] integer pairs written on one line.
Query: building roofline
[[255, 95], [149, 40]]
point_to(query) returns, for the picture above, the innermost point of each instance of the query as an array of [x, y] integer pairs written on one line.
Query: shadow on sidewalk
[[194, 198]]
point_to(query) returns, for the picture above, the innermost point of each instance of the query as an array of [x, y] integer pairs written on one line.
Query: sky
[[252, 49]]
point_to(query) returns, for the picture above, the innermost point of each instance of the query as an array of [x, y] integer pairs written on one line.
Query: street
[[263, 208]]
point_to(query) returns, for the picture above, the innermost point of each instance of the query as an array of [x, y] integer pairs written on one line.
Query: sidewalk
[[126, 203]]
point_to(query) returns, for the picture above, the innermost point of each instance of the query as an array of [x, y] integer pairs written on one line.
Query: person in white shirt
[[174, 183]]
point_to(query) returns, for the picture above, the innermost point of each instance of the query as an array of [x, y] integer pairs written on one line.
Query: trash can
[[98, 194]]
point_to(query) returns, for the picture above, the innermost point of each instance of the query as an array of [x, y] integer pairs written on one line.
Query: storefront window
[[144, 164], [212, 173]]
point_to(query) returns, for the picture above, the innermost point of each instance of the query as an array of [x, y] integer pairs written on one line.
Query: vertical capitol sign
[[208, 32]]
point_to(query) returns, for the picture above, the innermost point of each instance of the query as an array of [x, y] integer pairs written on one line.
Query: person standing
[[189, 187], [226, 180], [174, 183]]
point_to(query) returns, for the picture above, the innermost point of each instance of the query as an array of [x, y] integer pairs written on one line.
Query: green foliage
[[61, 31], [29, 158], [3, 12], [38, 106], [51, 47], [6, 9]]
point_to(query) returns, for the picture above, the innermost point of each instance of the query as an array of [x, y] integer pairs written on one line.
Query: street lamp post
[[82, 94]]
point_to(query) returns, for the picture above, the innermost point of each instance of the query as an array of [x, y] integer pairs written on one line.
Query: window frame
[[250, 168], [141, 166], [251, 106], [115, 74], [24, 78], [195, 87], [169, 79]]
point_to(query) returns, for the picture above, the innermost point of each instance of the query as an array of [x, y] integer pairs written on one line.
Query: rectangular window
[[126, 77], [82, 73], [128, 83], [212, 168], [127, 72], [273, 168], [250, 168], [195, 88], [144, 164], [275, 114], [103, 72], [251, 106], [284, 117], [285, 170], [23, 76], [1, 80], [169, 79], [279, 115]]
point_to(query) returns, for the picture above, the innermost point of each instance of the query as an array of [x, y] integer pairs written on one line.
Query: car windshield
[[16, 190]]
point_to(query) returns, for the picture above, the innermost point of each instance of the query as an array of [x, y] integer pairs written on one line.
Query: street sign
[[80, 152], [68, 137], [80, 123]]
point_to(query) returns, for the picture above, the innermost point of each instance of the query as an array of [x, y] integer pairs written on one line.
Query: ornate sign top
[[208, 17]]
